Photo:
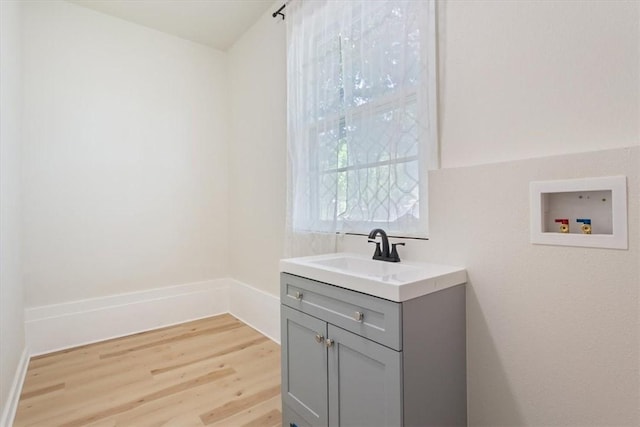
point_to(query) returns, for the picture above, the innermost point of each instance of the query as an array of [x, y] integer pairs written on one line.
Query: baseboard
[[256, 308], [11, 405], [61, 326]]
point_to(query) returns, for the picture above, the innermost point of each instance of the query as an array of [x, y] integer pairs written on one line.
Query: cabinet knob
[[328, 342], [298, 295], [319, 338], [358, 316]]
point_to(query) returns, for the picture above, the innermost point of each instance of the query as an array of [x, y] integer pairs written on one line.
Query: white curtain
[[361, 119]]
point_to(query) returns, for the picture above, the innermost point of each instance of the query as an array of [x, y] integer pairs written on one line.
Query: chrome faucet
[[384, 254]]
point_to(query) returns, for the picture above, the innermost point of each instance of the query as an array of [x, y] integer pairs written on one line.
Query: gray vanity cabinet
[[304, 362], [352, 359], [330, 373], [365, 387]]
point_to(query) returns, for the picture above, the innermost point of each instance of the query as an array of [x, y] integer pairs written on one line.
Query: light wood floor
[[211, 372]]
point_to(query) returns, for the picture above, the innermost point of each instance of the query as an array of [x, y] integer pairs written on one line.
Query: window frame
[[427, 157]]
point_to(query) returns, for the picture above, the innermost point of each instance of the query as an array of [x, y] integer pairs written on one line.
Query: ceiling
[[215, 23]]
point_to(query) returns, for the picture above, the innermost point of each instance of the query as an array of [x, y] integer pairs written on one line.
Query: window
[[361, 115]]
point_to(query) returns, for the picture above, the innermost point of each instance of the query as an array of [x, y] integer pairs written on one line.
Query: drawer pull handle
[[298, 295], [358, 316], [328, 342], [319, 338]]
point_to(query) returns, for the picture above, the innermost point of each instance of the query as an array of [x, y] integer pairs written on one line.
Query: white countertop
[[398, 282]]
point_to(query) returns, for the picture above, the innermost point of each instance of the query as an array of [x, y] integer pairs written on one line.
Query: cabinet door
[[365, 382], [304, 366]]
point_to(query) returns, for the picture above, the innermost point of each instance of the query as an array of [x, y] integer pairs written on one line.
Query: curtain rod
[[279, 11]]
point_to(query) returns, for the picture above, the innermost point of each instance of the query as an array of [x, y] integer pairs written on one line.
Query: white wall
[[528, 91], [552, 332], [12, 341], [257, 67], [125, 161], [523, 79]]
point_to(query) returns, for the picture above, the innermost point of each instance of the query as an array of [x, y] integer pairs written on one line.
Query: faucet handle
[[378, 252], [394, 252]]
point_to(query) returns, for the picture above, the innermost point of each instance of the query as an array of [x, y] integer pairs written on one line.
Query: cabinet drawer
[[374, 318]]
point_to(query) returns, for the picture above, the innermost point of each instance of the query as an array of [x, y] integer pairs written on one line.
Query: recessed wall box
[[600, 203]]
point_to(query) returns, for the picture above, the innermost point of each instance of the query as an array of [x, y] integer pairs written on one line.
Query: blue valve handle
[[586, 221]]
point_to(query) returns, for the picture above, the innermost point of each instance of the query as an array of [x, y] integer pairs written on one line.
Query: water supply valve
[[564, 224], [586, 225]]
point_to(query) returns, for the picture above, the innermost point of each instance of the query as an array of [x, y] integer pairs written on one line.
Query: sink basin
[[364, 267], [394, 281]]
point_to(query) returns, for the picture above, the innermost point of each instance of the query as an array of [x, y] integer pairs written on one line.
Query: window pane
[[389, 133], [380, 62], [360, 77]]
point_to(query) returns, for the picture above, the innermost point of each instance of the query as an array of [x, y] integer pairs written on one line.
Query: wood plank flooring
[[211, 372]]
